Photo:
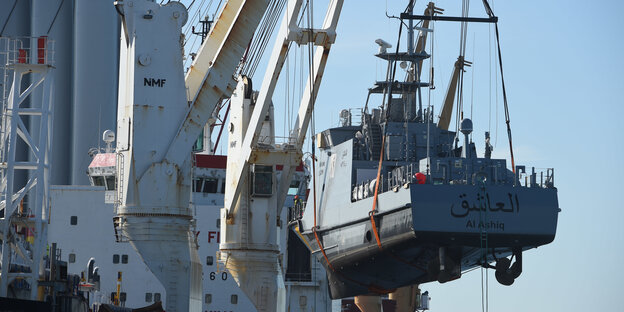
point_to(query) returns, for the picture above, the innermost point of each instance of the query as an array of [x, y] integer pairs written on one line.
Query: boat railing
[[537, 177], [405, 175], [351, 117], [366, 189], [26, 50]]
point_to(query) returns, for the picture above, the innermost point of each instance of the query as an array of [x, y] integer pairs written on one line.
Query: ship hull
[[467, 221]]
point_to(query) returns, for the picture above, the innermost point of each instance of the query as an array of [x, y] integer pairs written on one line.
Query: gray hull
[[468, 221]]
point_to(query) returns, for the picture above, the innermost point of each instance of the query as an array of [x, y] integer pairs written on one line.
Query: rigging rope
[[261, 39], [390, 80], [8, 18], [500, 63], [55, 16], [483, 238], [189, 26]]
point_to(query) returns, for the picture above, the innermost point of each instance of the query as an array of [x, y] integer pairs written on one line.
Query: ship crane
[[158, 125], [249, 246]]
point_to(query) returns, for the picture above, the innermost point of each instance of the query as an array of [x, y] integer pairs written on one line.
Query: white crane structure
[[24, 212], [253, 201], [160, 115]]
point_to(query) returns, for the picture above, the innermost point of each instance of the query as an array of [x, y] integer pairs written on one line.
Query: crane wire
[[261, 38], [55, 16], [189, 28], [506, 106], [8, 18], [462, 54]]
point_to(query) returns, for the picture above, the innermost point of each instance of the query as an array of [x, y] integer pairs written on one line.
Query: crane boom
[[449, 98], [248, 246], [211, 76], [156, 130]]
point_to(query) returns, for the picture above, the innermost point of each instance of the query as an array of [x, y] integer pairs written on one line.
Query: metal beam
[[493, 19], [210, 77]]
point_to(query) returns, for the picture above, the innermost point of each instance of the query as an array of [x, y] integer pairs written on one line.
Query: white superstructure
[[81, 225]]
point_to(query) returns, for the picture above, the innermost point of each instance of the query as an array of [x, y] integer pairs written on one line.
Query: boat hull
[[467, 221]]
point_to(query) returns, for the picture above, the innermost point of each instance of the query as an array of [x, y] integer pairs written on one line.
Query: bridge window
[[110, 183], [115, 259], [210, 185], [156, 297], [124, 259], [148, 297], [206, 185], [197, 185], [98, 181]]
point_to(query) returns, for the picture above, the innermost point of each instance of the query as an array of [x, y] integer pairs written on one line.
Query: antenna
[[108, 137], [383, 45]]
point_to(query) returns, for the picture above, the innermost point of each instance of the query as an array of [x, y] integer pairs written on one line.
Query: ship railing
[[403, 175], [278, 140], [21, 50], [366, 189], [27, 50], [296, 212], [467, 174], [537, 177]]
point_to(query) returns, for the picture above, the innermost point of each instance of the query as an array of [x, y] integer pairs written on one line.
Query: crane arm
[[289, 155], [211, 76], [156, 129], [449, 98], [422, 38]]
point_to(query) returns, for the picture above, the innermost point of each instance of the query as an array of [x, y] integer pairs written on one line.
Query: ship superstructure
[[82, 228]]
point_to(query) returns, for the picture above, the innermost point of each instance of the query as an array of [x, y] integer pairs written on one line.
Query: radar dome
[[108, 136], [465, 126]]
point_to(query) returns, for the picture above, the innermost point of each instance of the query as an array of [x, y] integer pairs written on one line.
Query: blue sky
[[563, 72]]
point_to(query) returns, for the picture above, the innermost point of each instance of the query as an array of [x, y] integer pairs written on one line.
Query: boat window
[[115, 259], [209, 260], [234, 299], [122, 297], [110, 183], [156, 297], [124, 259], [72, 258], [218, 223], [223, 186], [210, 185], [98, 180], [208, 298], [197, 185], [148, 297], [73, 220]]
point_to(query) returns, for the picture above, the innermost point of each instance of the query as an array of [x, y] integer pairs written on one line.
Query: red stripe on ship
[[220, 162]]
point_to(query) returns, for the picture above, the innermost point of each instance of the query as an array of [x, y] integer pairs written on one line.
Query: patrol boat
[[398, 201]]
